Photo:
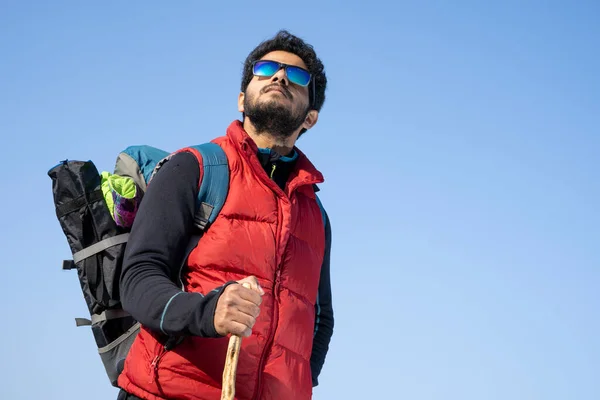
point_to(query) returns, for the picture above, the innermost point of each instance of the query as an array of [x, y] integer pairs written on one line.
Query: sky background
[[460, 144]]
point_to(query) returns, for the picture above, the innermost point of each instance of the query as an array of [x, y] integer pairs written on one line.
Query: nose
[[280, 77]]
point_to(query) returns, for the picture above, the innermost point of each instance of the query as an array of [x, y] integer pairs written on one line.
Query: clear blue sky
[[460, 143]]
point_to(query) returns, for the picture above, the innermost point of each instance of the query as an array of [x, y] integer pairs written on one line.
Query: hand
[[238, 307]]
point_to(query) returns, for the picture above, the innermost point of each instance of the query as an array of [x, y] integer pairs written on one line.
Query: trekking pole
[[231, 361]]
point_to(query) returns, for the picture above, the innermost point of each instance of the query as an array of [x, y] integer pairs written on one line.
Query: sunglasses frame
[[284, 66]]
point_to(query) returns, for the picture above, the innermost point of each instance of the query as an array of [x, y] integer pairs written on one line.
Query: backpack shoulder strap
[[211, 196], [215, 184], [323, 213]]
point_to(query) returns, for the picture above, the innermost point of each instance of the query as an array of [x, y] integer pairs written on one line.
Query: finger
[[239, 299], [236, 328], [242, 299], [248, 308], [248, 294], [244, 319]]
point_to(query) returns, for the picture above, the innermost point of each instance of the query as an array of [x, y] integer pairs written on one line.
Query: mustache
[[285, 90]]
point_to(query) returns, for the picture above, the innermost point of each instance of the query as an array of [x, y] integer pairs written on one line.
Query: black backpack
[[98, 243]]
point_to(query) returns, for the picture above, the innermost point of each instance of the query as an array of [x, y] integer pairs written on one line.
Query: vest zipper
[[271, 338], [154, 365], [274, 320], [278, 192]]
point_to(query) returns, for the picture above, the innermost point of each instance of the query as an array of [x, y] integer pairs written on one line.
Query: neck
[[265, 140]]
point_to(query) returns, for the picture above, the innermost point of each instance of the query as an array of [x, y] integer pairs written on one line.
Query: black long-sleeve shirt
[[156, 248]]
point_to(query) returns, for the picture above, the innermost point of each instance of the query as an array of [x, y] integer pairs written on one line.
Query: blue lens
[[268, 68], [265, 68], [297, 75]]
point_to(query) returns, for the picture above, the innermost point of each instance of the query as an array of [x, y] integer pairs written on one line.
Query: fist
[[238, 307]]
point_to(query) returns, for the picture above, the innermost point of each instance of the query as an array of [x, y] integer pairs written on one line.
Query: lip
[[278, 89]]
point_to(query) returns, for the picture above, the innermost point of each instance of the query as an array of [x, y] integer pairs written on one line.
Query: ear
[[311, 119], [241, 98]]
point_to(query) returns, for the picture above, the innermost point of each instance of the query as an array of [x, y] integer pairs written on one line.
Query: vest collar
[[304, 173]]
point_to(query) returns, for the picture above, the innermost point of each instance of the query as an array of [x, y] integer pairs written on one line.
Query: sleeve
[[155, 251], [324, 313]]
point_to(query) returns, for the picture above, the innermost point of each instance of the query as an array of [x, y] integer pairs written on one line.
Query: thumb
[[251, 282]]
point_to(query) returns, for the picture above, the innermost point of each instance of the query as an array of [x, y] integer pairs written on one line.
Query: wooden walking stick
[[233, 353], [231, 361]]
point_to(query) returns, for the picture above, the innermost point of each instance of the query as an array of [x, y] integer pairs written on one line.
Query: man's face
[[275, 104]]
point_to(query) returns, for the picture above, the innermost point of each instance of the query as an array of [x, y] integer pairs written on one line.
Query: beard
[[271, 117]]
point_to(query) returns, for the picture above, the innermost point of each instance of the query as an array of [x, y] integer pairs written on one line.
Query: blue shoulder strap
[[215, 184], [211, 196]]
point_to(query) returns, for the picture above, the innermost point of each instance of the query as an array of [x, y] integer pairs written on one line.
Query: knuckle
[[229, 313], [230, 301]]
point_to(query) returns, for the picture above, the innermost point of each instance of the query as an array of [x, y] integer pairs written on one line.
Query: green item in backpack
[[122, 197]]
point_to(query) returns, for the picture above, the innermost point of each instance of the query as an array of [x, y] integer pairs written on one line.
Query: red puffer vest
[[278, 237]]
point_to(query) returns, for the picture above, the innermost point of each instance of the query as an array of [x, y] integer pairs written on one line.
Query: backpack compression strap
[[100, 246]]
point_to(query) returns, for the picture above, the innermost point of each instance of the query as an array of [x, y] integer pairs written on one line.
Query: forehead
[[284, 57]]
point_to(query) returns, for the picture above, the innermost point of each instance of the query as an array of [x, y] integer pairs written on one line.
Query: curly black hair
[[285, 41]]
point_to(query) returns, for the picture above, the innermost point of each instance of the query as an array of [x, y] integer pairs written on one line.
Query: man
[[270, 234]]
